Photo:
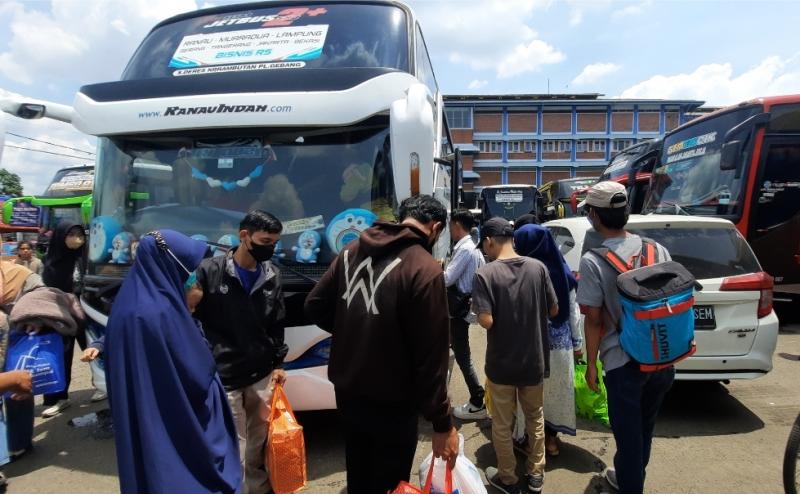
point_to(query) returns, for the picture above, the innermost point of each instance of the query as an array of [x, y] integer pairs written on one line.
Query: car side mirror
[[731, 155]]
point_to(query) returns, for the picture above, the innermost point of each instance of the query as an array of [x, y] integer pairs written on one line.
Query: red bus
[[741, 163]]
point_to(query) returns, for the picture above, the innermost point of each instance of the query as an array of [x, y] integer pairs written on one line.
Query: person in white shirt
[[458, 278]]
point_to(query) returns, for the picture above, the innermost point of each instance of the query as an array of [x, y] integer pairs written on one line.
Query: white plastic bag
[[466, 477]]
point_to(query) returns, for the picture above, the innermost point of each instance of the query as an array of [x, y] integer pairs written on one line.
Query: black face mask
[[261, 253]]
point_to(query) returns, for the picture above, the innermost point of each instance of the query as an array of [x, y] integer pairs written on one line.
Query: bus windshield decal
[[691, 143], [280, 44], [242, 67], [508, 196], [285, 17]]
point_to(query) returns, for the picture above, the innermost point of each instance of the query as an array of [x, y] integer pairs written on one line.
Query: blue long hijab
[[174, 429], [537, 242]]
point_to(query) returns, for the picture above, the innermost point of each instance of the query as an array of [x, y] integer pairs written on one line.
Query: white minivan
[[736, 329]]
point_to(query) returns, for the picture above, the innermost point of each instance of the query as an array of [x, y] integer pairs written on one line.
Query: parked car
[[736, 329]]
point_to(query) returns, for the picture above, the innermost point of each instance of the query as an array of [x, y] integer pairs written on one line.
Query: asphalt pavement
[[710, 438]]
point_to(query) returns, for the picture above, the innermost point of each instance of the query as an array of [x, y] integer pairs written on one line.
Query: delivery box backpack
[[657, 325]]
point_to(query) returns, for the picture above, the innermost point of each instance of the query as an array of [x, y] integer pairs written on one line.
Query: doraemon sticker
[[102, 231], [121, 248], [298, 226], [277, 44], [347, 226], [307, 247]]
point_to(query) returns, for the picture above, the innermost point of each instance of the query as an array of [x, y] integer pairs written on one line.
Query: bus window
[[424, 67], [779, 194]]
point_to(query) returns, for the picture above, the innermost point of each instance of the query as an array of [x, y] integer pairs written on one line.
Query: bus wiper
[[681, 210]]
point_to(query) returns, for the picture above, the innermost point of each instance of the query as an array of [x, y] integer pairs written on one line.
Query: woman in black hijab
[[63, 258]]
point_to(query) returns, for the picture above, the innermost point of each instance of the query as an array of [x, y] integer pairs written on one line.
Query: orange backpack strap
[[649, 252], [613, 259]]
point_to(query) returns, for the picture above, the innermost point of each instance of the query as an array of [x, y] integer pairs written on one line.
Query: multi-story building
[[533, 138]]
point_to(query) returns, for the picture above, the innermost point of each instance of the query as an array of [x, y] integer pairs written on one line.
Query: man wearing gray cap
[[634, 396]]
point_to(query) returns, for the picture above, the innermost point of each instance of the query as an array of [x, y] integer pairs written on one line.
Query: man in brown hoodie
[[384, 301]]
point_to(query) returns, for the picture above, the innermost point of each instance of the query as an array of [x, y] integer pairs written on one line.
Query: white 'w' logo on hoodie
[[367, 291]]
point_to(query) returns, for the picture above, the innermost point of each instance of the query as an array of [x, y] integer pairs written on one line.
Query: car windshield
[[289, 37], [508, 202], [705, 252], [324, 185], [688, 179]]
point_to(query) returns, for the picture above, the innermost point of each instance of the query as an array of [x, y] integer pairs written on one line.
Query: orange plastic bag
[[406, 488], [286, 447]]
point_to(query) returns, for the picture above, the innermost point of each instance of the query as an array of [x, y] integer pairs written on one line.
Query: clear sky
[[717, 51]]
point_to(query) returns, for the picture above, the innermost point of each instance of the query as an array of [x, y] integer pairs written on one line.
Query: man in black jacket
[[242, 313], [384, 301]]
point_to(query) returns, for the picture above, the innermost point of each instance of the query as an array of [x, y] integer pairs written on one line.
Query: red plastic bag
[[286, 447], [406, 488]]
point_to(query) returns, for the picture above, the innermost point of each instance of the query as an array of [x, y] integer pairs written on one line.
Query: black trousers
[[381, 439], [459, 341], [69, 350]]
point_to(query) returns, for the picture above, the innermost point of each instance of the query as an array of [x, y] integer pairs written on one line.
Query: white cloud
[[478, 84], [717, 84], [80, 42], [632, 10], [591, 74], [579, 8], [528, 58], [36, 169], [486, 35]]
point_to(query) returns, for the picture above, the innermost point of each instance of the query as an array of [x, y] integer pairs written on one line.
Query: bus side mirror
[[731, 155], [30, 111]]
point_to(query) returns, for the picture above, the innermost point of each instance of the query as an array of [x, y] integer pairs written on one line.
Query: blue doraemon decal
[[307, 247], [102, 231], [347, 226], [122, 248], [279, 252]]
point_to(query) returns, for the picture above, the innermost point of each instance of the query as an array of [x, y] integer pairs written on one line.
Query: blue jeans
[[19, 420], [634, 398]]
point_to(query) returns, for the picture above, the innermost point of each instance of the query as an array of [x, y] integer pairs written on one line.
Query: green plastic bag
[[588, 404]]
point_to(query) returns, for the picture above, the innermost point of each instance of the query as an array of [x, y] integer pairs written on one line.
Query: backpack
[[657, 325]]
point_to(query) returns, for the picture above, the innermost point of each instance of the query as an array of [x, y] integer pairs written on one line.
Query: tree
[[10, 184]]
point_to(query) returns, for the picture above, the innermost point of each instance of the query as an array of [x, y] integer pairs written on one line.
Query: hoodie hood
[[59, 262], [390, 237]]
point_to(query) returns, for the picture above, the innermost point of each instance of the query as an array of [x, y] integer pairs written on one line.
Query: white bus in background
[[326, 114]]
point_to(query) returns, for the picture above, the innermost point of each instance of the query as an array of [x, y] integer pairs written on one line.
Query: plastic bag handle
[[448, 479]]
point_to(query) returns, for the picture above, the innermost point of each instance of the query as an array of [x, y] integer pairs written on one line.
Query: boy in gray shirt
[[513, 298], [634, 397]]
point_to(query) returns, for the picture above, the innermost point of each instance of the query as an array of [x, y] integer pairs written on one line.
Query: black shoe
[[535, 482], [494, 479]]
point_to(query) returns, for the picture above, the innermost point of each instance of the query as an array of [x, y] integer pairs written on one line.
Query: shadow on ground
[[694, 409], [58, 444]]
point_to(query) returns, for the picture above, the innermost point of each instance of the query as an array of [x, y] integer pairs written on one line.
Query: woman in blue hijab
[[174, 430], [565, 333]]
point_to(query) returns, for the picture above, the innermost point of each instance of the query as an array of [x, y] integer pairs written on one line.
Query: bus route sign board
[[25, 214]]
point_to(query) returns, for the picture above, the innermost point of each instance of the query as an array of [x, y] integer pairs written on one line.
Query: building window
[[490, 146], [620, 144], [556, 146], [530, 146], [459, 118], [514, 147], [591, 146]]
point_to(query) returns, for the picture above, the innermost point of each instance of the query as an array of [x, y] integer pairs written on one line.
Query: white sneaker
[[468, 411], [98, 396], [56, 409], [611, 477]]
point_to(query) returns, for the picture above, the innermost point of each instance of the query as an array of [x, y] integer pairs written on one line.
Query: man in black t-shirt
[[513, 298]]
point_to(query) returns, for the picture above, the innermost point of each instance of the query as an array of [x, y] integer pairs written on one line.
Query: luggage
[[42, 355], [286, 449], [657, 325]]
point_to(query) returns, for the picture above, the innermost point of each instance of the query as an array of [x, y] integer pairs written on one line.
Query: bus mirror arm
[[33, 109]]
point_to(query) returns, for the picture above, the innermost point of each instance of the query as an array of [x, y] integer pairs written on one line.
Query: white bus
[[326, 114]]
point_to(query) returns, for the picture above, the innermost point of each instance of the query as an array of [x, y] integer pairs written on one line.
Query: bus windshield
[[567, 187], [336, 35], [688, 179], [508, 202], [325, 185], [71, 182]]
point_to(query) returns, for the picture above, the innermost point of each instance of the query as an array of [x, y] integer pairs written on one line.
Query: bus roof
[[766, 101]]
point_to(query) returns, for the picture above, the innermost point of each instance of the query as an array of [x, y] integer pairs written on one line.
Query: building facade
[[534, 139]]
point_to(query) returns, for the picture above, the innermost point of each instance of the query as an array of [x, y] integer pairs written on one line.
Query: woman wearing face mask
[[26, 258], [174, 430], [62, 265]]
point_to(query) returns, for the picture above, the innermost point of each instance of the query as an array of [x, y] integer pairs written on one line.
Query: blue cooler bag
[[40, 354], [657, 325]]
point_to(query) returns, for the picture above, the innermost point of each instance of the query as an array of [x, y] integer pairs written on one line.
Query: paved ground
[[710, 439]]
